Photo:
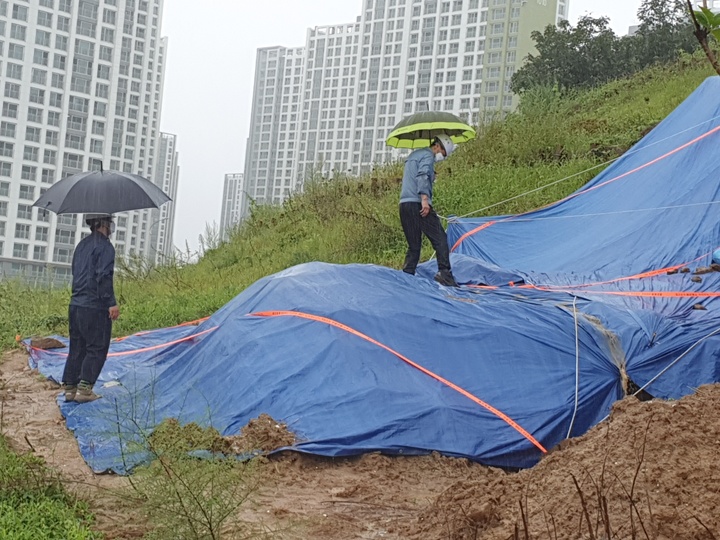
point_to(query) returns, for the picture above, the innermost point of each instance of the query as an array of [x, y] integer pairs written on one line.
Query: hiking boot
[[70, 391], [446, 278], [85, 394]]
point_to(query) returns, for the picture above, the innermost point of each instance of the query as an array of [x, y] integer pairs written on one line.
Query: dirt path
[[650, 472], [302, 496], [31, 421]]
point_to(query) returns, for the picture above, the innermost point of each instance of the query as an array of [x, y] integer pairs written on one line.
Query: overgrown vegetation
[[194, 496], [551, 138], [33, 503]]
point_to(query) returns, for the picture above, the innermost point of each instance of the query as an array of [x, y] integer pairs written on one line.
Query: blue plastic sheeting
[[493, 374], [344, 395]]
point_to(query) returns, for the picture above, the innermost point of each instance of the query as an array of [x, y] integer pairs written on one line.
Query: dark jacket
[[93, 267]]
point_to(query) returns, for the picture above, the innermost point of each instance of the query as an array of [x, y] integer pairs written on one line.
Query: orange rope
[[146, 332], [455, 387], [135, 351]]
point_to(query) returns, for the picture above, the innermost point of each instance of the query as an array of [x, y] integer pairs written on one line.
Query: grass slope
[[355, 220]]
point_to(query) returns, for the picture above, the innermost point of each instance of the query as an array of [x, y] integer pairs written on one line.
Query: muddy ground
[[649, 472]]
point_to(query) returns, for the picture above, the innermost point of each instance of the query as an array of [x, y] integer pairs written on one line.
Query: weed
[[192, 498]]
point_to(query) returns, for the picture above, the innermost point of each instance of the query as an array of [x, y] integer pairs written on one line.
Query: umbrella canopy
[[101, 192], [418, 130]]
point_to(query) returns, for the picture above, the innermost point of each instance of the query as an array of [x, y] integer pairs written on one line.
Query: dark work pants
[[414, 226], [90, 331]]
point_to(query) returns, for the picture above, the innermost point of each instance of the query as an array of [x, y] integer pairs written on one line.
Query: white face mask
[[439, 156]]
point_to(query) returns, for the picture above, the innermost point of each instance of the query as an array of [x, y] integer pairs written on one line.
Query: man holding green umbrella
[[416, 212], [433, 135]]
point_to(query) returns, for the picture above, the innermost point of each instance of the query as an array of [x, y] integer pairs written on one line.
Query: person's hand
[[425, 210], [114, 313]]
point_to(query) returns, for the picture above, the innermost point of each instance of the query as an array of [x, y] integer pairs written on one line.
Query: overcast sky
[[209, 82]]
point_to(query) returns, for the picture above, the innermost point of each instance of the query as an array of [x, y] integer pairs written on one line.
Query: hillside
[[648, 472], [545, 151]]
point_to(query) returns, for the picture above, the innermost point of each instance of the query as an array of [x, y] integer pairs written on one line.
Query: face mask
[[110, 227], [439, 157]]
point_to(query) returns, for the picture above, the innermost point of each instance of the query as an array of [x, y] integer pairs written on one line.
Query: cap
[[446, 142], [89, 218]]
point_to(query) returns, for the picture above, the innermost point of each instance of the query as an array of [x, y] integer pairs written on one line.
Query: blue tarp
[[399, 364]]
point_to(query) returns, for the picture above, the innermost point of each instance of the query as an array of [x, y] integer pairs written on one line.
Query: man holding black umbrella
[[416, 212], [92, 309]]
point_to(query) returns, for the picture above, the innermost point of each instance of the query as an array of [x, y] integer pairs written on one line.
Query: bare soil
[[649, 472]]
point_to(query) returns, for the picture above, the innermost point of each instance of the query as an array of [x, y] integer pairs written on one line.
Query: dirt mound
[[46, 343], [649, 472], [261, 433]]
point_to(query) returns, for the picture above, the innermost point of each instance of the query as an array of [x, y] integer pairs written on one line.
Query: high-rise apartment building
[[82, 84], [274, 124], [359, 79], [235, 203], [167, 174]]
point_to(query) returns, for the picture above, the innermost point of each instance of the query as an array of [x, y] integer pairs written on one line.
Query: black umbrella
[[101, 192]]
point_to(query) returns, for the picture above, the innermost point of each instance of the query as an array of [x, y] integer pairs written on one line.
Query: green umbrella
[[419, 129]]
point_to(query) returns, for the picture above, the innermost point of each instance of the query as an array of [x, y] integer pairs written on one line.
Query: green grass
[[355, 220], [33, 503]]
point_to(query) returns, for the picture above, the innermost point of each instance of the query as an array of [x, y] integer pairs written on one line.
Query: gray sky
[[209, 80]]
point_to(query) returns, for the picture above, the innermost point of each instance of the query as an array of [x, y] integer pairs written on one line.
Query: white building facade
[[235, 203], [360, 79], [270, 158], [82, 84], [167, 175]]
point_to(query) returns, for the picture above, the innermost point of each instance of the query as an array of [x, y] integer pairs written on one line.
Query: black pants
[[414, 226], [90, 331]]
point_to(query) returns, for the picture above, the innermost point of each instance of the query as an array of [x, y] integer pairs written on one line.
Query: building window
[[28, 173], [13, 71], [51, 137], [35, 115], [7, 129], [22, 231], [47, 176], [30, 153], [42, 38], [41, 57], [32, 134], [18, 31], [37, 96], [61, 43], [62, 255], [63, 24], [20, 251], [50, 157], [20, 12], [24, 211], [12, 90]]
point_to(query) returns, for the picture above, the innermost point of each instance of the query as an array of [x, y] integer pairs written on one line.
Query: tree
[[591, 54], [706, 24], [571, 57], [663, 31]]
